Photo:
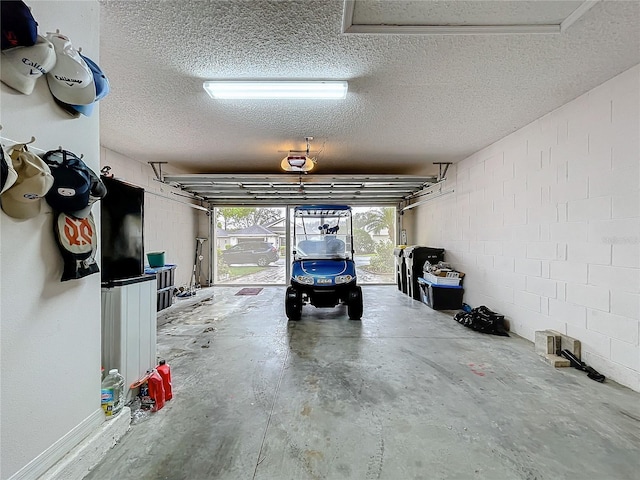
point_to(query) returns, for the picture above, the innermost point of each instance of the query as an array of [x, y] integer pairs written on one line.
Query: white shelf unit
[[129, 327]]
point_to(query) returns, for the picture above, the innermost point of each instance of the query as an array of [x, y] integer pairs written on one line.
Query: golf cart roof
[[322, 211]]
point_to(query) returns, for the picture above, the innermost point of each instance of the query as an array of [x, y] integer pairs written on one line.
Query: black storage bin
[[401, 269], [165, 279], [415, 257], [165, 276], [165, 298], [440, 297]]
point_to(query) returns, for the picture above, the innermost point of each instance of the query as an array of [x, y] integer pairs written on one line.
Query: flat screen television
[[122, 235]]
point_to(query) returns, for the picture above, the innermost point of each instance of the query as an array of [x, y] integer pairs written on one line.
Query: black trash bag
[[484, 320]]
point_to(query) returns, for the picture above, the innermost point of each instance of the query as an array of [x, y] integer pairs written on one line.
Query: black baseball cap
[[71, 181], [19, 28]]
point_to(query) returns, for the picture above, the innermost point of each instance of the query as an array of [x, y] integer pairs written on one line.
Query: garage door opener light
[[298, 161]]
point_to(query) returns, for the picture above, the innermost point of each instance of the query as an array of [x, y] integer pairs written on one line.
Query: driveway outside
[[274, 274]]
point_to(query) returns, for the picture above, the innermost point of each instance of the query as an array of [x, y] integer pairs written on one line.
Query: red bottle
[[165, 372], [156, 390]]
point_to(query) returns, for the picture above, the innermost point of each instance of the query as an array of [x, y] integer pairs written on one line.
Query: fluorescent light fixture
[[286, 90]]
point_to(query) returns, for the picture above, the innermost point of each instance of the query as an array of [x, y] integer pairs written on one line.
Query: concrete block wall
[[546, 225], [169, 224]]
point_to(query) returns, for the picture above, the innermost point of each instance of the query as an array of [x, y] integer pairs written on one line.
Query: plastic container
[[156, 390], [165, 372], [112, 393], [156, 259], [441, 297], [436, 280]]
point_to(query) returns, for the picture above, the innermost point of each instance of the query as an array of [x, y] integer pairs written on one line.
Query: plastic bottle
[[165, 372], [156, 390], [112, 393]]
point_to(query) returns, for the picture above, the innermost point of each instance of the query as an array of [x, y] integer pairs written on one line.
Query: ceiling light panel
[[277, 90]]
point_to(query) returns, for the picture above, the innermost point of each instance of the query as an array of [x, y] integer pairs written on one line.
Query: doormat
[[249, 291]]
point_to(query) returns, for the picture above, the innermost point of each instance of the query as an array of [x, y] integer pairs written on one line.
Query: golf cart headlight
[[304, 279], [343, 278]]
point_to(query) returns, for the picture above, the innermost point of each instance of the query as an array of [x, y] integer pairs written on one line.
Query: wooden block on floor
[[556, 361], [546, 343], [569, 343]]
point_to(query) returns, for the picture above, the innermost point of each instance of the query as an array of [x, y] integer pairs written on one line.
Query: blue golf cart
[[323, 272]]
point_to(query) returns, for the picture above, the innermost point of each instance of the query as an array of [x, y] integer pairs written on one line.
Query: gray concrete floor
[[407, 393]]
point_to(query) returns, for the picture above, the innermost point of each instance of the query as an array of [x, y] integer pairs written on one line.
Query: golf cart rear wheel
[[293, 304], [354, 304]]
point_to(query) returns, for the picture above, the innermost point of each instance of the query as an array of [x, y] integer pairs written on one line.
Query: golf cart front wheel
[[354, 304], [293, 304]]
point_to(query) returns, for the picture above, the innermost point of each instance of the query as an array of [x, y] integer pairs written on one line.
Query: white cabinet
[[129, 326]]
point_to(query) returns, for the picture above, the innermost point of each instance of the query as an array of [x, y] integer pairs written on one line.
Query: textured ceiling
[[413, 99]]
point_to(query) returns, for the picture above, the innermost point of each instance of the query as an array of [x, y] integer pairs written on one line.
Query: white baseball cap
[[34, 180], [71, 80], [21, 67]]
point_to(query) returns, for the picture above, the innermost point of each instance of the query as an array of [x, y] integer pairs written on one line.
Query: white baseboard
[[78, 462], [71, 457], [39, 465]]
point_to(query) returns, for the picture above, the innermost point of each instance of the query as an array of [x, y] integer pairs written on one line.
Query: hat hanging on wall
[[21, 67], [97, 191], [101, 84], [72, 182], [34, 180], [19, 28], [71, 80], [77, 240]]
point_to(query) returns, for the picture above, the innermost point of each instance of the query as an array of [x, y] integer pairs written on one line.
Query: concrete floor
[[407, 393]]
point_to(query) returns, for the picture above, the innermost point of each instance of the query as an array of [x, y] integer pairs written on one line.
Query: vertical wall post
[[213, 235], [289, 258]]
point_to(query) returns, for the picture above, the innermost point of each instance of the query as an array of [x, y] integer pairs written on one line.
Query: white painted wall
[[49, 331], [169, 224], [546, 225]]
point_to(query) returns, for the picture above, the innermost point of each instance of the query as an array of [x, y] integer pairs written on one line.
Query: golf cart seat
[[334, 246], [311, 247]]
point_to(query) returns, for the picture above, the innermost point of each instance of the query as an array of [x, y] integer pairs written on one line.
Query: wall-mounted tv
[[122, 221]]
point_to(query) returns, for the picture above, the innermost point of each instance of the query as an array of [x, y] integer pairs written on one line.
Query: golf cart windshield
[[322, 232]]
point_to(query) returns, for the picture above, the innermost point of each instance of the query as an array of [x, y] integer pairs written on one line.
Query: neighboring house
[[223, 240], [381, 236], [280, 229], [254, 233]]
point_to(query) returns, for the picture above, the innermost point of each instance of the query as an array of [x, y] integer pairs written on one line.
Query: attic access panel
[[460, 17], [222, 189]]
